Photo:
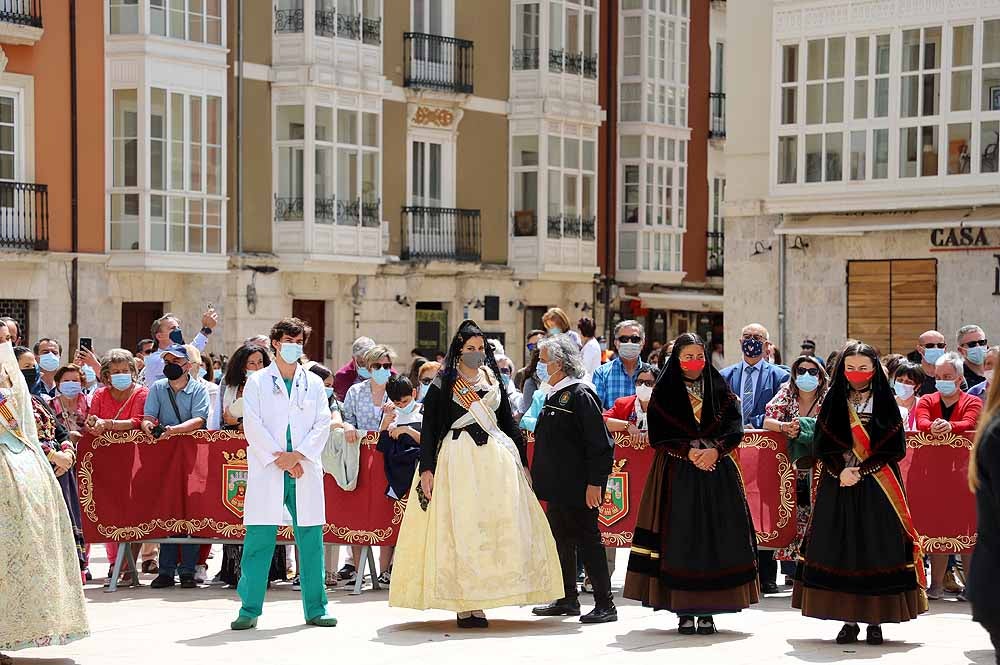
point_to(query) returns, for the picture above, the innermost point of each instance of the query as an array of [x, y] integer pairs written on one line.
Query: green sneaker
[[244, 623], [325, 621]]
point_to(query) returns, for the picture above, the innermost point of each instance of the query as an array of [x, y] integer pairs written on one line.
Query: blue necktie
[[748, 393]]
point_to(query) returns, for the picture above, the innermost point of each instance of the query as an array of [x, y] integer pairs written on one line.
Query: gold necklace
[[857, 397]]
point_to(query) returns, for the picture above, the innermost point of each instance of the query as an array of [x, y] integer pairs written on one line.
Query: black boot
[[848, 634], [560, 608], [685, 626], [605, 614], [706, 626], [874, 635]]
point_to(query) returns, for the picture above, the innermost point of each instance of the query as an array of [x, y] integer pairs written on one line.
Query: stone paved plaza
[[191, 627]]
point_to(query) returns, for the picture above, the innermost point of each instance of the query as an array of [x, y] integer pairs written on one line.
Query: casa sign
[[961, 237]]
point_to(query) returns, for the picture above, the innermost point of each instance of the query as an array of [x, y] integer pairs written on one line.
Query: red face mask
[[859, 378], [693, 366]]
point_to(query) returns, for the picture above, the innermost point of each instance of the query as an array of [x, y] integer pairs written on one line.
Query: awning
[[682, 300], [873, 222]]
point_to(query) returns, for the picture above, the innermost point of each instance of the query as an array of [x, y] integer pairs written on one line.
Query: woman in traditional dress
[[474, 536], [694, 551], [39, 606], [984, 481], [861, 558]]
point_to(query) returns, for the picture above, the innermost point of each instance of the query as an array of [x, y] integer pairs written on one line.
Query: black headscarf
[[885, 428], [670, 415]]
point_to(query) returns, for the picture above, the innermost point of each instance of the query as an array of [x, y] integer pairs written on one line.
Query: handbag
[[802, 449]]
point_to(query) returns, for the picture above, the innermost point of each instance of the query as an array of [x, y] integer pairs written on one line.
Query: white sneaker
[[200, 574]]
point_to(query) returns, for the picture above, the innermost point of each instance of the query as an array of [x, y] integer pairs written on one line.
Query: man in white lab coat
[[286, 419]]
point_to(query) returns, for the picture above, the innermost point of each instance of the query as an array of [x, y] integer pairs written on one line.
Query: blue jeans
[[168, 559]]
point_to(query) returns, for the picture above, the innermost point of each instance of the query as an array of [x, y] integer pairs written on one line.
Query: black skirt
[[694, 549], [857, 560]]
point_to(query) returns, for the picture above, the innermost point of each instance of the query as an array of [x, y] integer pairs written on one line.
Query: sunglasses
[[624, 339], [935, 345], [148, 352], [977, 342], [427, 380], [811, 371], [506, 370], [532, 346], [648, 384], [381, 366]]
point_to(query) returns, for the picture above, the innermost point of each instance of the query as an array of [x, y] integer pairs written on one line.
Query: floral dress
[[783, 407]]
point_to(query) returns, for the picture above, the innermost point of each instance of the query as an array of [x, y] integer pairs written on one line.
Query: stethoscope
[[300, 396]]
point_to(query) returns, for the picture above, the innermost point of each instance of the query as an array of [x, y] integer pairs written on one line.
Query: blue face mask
[[329, 392], [381, 376], [89, 374], [202, 373], [291, 352], [505, 378], [49, 362], [932, 355], [121, 381], [364, 373], [217, 374], [542, 372], [422, 393], [251, 372], [975, 354], [903, 390], [70, 388], [752, 348], [946, 388], [555, 331], [177, 336], [807, 382], [408, 409]]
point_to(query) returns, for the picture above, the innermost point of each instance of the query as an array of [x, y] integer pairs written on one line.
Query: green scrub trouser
[[258, 549]]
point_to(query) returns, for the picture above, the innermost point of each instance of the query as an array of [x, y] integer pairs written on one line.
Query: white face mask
[[644, 393], [629, 350]]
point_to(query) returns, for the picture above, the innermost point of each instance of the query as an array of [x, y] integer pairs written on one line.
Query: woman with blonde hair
[[984, 481], [555, 321]]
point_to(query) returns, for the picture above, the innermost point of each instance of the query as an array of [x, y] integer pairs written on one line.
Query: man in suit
[[755, 381]]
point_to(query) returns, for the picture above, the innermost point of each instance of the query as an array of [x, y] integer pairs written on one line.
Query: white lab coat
[[267, 413]]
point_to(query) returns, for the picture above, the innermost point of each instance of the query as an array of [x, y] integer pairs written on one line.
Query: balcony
[[449, 234], [559, 244], [717, 119], [571, 227], [20, 21], [24, 216], [716, 253], [437, 63], [525, 59], [334, 230], [289, 20]]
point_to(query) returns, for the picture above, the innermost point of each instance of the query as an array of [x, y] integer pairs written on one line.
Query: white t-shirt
[[591, 356]]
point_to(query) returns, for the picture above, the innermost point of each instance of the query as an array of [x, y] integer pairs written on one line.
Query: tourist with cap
[[176, 404], [809, 349]]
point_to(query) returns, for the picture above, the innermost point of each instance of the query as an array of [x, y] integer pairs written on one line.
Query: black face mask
[[172, 371], [30, 375]]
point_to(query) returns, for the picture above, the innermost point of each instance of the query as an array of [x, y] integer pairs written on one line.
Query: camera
[[158, 431]]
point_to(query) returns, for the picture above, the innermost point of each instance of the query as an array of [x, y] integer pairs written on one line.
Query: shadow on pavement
[[828, 651], [224, 637], [986, 657], [41, 661], [668, 638], [419, 632]]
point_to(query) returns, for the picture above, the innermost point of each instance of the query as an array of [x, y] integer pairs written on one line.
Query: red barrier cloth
[[133, 487], [936, 478]]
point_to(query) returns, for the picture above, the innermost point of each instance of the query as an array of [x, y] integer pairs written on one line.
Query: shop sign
[[960, 238]]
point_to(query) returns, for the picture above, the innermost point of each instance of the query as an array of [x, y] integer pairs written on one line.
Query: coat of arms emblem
[[615, 506], [234, 481]]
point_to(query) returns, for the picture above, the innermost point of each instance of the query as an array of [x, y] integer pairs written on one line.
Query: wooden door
[[914, 302], [891, 303], [137, 318], [869, 286], [312, 312]]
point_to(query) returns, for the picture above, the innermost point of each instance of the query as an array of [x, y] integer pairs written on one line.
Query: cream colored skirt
[[483, 541]]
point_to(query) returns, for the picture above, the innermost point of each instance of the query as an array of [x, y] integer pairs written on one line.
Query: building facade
[[380, 167], [863, 197]]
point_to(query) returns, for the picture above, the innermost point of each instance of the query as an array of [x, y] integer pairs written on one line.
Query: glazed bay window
[[655, 35], [526, 42], [524, 167], [185, 168], [192, 20], [653, 198], [834, 121], [290, 134], [125, 170], [572, 187]]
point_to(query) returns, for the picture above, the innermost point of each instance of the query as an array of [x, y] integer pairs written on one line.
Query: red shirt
[[104, 406], [964, 415], [622, 409]]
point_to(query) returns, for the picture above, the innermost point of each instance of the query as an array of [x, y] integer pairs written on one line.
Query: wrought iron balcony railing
[[24, 216], [326, 23], [525, 59], [436, 62], [326, 210], [716, 253], [573, 63], [556, 61], [590, 67], [288, 209], [22, 12], [717, 108], [371, 29], [441, 233], [289, 20], [348, 26]]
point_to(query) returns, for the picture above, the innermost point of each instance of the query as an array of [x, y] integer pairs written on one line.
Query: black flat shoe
[[848, 634], [601, 615], [874, 635], [769, 589], [473, 622], [706, 626], [162, 582], [558, 609], [686, 626]]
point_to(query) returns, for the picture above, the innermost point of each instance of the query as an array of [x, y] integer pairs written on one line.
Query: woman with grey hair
[[573, 458]]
